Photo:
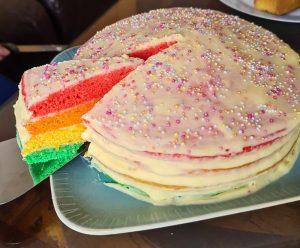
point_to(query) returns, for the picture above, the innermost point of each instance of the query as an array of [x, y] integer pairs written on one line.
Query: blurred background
[[43, 22], [72, 22]]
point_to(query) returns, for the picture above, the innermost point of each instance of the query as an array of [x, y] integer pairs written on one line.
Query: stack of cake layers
[[212, 116]]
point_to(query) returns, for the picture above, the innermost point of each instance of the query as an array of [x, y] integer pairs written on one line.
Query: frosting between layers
[[161, 164], [22, 117], [160, 196], [184, 177]]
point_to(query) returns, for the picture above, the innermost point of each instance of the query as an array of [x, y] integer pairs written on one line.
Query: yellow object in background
[[277, 7]]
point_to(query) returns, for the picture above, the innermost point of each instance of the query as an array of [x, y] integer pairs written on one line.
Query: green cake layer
[[47, 154], [142, 195], [43, 163], [104, 178], [40, 171]]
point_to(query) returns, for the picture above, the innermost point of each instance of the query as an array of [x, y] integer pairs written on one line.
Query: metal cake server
[[15, 179]]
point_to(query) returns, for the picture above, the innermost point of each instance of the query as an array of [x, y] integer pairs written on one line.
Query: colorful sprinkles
[[225, 80]]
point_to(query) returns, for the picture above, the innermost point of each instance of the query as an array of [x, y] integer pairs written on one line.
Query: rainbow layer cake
[[52, 99], [212, 114], [180, 106]]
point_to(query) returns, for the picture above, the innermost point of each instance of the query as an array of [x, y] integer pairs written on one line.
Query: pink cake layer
[[84, 91], [151, 50], [55, 87]]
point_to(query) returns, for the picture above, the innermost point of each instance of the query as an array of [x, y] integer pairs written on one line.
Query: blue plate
[[84, 204]]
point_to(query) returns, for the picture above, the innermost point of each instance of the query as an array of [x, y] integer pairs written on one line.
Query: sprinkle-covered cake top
[[225, 85], [166, 25]]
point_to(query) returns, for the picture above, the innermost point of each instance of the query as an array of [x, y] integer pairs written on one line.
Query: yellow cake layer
[[54, 138]]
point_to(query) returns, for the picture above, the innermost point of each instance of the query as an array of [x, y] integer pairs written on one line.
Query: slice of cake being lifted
[[52, 99]]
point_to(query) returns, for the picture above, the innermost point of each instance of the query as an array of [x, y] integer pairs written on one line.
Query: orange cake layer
[[63, 119]]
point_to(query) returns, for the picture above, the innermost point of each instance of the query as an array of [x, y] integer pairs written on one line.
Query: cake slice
[[52, 100]]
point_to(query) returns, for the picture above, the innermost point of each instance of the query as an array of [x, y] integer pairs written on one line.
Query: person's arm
[[3, 52]]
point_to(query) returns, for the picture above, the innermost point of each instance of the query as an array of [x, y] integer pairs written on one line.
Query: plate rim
[[71, 49], [260, 14], [143, 227]]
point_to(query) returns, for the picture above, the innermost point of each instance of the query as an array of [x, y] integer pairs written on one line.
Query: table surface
[[30, 221]]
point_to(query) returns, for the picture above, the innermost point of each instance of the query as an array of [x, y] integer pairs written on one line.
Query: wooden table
[[30, 221]]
